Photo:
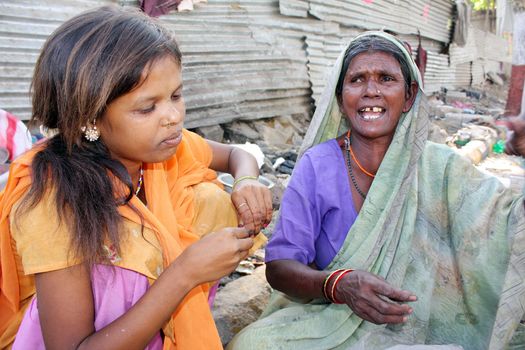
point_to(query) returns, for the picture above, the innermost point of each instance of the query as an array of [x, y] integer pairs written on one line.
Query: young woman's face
[[374, 95], [145, 125]]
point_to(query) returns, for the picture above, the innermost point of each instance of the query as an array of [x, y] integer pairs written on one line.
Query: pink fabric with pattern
[[115, 291]]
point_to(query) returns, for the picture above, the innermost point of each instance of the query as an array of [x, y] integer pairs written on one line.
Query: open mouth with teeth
[[371, 113]]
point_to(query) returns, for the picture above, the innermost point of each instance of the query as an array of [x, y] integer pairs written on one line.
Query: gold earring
[[91, 133]]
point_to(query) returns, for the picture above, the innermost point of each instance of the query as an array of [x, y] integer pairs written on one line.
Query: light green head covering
[[328, 121]]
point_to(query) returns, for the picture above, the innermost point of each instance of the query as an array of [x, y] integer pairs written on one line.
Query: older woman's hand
[[373, 299], [253, 202]]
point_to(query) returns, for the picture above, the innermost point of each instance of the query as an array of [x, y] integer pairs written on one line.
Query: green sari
[[432, 224]]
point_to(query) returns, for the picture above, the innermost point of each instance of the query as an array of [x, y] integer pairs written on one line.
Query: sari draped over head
[[432, 224], [170, 198]]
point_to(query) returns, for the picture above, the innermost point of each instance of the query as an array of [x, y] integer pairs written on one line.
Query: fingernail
[[405, 319]]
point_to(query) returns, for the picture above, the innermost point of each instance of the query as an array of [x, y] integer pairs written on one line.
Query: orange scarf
[[192, 325]]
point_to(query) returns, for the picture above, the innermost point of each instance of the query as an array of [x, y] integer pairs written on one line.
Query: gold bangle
[[246, 177]]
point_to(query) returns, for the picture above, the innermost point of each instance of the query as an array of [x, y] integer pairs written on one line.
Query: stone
[[285, 169], [441, 111], [214, 132], [240, 303], [240, 132], [284, 179], [267, 167], [281, 131], [455, 121], [290, 155]]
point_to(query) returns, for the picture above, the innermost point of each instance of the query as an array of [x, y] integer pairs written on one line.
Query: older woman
[[385, 238]]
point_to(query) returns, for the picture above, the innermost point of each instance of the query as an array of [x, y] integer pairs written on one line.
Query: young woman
[[98, 243]]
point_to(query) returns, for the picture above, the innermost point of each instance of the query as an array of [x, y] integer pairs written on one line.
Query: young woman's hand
[[215, 255], [373, 299], [253, 202]]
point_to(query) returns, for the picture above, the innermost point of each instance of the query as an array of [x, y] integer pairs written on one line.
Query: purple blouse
[[317, 210]]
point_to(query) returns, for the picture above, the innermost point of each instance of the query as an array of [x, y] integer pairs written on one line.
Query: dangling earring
[[91, 133]]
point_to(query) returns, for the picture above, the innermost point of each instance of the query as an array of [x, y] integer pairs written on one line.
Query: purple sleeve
[[299, 223]]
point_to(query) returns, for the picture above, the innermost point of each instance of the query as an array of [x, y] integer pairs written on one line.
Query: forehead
[[164, 67], [374, 61]]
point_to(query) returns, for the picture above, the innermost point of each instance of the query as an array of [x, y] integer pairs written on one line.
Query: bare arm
[[295, 279], [232, 160], [65, 300], [252, 200], [368, 295]]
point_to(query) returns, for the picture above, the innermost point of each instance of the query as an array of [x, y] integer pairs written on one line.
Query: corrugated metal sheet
[[437, 73], [481, 67], [467, 53], [24, 26], [248, 59], [296, 8], [432, 18], [478, 74], [323, 51], [462, 74], [242, 60], [492, 47], [440, 74]]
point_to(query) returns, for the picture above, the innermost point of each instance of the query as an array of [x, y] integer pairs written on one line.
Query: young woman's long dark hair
[[87, 63]]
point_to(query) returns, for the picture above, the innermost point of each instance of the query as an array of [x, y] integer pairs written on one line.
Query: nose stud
[[169, 125], [378, 91]]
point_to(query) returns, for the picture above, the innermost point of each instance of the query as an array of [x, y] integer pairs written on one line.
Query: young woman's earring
[[91, 133]]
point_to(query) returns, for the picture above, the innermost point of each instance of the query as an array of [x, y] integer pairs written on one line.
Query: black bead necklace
[[349, 164]]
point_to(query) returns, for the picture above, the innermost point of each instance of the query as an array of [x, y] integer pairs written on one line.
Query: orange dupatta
[[169, 214]]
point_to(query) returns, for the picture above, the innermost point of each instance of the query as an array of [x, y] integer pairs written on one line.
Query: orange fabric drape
[[169, 214]]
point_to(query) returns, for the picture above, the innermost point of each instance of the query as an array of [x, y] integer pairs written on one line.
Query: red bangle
[[335, 301], [327, 281]]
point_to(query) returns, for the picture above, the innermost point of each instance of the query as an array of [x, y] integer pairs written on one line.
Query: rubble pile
[[467, 121]]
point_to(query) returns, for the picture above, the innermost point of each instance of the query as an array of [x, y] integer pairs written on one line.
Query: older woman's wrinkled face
[[374, 95]]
